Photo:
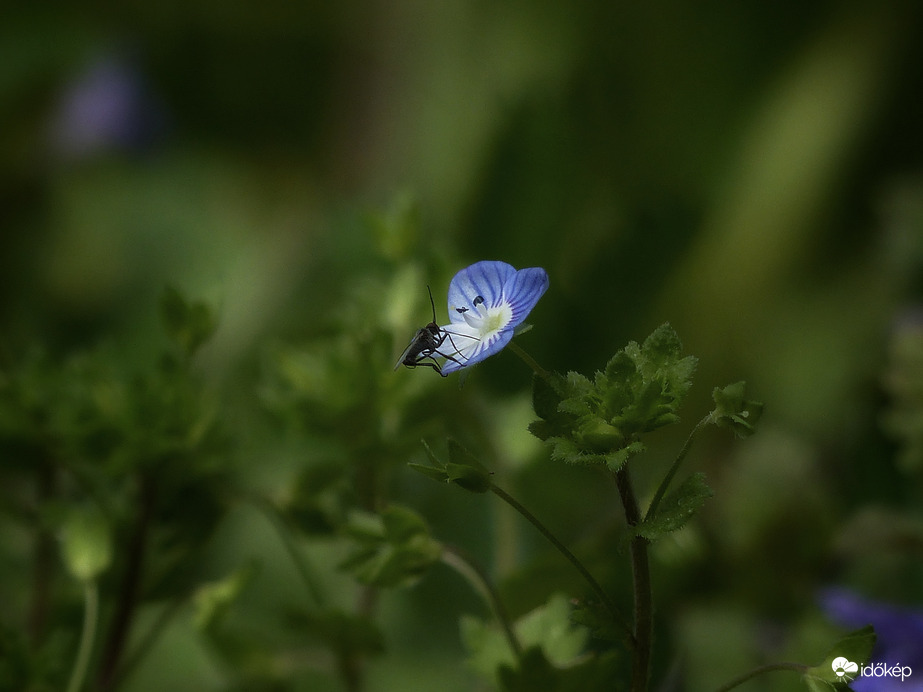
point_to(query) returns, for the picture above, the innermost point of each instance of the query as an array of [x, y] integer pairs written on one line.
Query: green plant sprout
[[602, 422]]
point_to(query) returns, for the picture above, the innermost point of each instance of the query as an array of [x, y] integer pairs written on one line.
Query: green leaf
[[616, 460], [676, 509], [86, 543], [392, 549], [546, 401], [431, 472], [402, 524], [855, 648], [436, 471], [734, 411], [549, 627], [599, 421], [465, 470]]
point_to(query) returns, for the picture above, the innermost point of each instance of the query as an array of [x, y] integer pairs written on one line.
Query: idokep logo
[[846, 670]]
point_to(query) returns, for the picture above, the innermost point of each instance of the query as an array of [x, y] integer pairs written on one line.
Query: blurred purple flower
[[106, 107], [899, 637]]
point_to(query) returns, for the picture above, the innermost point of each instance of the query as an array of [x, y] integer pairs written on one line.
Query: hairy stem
[[461, 562], [90, 617], [641, 575], [665, 483], [563, 549], [795, 667]]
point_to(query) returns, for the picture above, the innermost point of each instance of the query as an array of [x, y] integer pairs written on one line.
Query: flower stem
[[796, 667], [665, 483], [641, 574], [461, 562], [530, 361], [90, 618], [563, 549]]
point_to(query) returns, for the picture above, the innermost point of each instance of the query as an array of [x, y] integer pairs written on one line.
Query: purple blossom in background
[[107, 107], [899, 634]]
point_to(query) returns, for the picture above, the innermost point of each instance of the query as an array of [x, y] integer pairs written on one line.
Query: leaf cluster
[[131, 464], [462, 469], [393, 548], [600, 421]]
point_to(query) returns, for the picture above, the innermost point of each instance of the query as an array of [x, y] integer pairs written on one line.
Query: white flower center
[[488, 321]]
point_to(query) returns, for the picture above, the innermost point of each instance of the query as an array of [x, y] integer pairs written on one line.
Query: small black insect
[[425, 345]]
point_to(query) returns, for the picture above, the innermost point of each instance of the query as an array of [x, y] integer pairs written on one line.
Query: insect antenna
[[431, 302]]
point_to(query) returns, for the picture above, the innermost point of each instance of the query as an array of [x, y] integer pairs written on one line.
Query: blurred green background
[[750, 172]]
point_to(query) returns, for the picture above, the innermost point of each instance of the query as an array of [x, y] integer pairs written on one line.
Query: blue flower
[[487, 301], [899, 632]]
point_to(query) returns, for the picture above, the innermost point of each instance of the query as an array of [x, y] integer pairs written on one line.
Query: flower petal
[[523, 291], [465, 346], [484, 279]]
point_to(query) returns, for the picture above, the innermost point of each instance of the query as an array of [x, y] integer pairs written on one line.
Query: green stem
[[272, 513], [461, 562], [130, 586], [665, 483], [641, 577], [44, 556], [594, 585], [90, 618], [530, 361], [796, 667]]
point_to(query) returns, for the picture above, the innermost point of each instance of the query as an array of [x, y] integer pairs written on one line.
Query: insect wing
[[416, 345]]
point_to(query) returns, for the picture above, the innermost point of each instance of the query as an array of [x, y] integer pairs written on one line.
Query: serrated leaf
[[676, 509], [615, 460], [662, 344], [599, 421]]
